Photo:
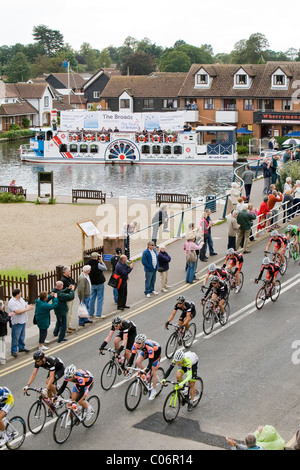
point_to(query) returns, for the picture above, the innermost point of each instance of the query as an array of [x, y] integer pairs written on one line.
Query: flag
[[65, 63]]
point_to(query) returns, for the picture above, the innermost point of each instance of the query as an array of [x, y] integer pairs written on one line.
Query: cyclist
[[149, 350], [280, 244], [6, 405], [55, 367], [219, 290], [272, 271], [213, 270], [188, 364], [235, 262], [83, 382], [188, 312], [290, 232], [126, 334]]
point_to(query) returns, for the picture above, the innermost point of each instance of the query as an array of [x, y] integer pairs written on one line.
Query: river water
[[133, 181]]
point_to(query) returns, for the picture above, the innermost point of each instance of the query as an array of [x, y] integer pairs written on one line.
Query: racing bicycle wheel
[[16, 429], [108, 375], [133, 395], [209, 321], [171, 406], [172, 345], [275, 291], [94, 402], [260, 298], [224, 317], [36, 417], [189, 336]]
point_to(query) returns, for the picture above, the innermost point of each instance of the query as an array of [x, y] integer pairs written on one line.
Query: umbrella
[[294, 134], [243, 130], [291, 142]]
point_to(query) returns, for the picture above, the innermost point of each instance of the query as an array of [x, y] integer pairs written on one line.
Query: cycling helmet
[[178, 356], [289, 228], [38, 355], [266, 261], [181, 299], [214, 279], [141, 338], [70, 371], [274, 233], [117, 320], [230, 251], [212, 267]]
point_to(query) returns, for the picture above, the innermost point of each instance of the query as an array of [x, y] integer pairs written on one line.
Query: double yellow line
[[72, 341]]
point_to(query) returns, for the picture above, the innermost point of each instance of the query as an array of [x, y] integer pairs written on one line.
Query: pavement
[[136, 297]]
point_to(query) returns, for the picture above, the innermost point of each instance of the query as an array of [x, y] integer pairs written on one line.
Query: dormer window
[[202, 79], [241, 79], [279, 80]]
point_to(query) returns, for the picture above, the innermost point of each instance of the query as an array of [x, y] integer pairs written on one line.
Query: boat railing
[[156, 137], [220, 149]]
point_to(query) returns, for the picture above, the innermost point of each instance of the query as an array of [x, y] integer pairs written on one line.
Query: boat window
[[63, 148], [73, 148], [146, 149], [156, 149], [177, 150], [83, 148], [167, 149], [94, 148]]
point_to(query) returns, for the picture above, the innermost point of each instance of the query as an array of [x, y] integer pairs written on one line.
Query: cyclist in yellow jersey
[[6, 405], [188, 364]]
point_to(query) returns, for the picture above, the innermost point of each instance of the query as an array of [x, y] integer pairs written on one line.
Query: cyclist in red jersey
[[213, 270], [235, 262], [272, 271], [280, 244]]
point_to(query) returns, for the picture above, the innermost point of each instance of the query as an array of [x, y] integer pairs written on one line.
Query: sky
[[220, 23]]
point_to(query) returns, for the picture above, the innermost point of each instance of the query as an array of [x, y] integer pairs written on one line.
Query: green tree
[[18, 69], [51, 39], [175, 61], [138, 63], [103, 60], [251, 50]]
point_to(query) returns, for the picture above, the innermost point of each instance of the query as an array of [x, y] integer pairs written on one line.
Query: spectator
[[204, 227], [187, 127], [247, 177], [123, 270], [274, 203], [196, 233], [67, 282], [287, 204], [127, 230], [268, 437], [149, 261], [234, 194], [250, 443], [12, 187], [163, 259], [240, 204], [297, 198], [84, 289], [61, 311], [190, 248], [274, 167], [288, 184], [161, 217], [245, 219], [210, 240], [287, 156], [114, 261], [97, 279], [264, 215], [42, 315], [267, 173], [18, 308], [4, 319], [233, 228]]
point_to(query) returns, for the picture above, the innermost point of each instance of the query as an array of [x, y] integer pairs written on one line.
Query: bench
[[16, 190], [88, 194], [171, 198]]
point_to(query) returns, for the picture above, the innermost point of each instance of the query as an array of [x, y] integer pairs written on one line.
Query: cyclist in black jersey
[[219, 292], [126, 334], [188, 312], [55, 367]]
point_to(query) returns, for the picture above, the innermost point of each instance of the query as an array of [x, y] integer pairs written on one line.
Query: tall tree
[[51, 39], [138, 63], [175, 61], [18, 69]]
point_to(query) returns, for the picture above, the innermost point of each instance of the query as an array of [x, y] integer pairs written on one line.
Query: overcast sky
[[220, 23]]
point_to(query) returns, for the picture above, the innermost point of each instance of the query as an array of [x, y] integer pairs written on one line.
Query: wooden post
[[32, 288], [1, 292], [59, 272]]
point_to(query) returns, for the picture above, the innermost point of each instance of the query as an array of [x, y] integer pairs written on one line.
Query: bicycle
[[180, 337], [73, 416], [231, 282], [267, 291], [113, 367], [213, 315], [179, 397], [141, 385], [276, 259], [37, 413], [16, 431], [291, 251]]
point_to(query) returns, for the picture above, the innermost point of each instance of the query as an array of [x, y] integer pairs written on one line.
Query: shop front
[[277, 124]]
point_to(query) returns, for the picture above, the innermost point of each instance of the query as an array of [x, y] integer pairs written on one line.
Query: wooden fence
[[36, 283]]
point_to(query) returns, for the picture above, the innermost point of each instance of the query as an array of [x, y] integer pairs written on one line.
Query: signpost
[[88, 229]]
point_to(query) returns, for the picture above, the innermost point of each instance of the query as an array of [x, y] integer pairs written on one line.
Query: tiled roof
[[158, 85], [223, 84], [76, 80], [26, 90], [14, 109]]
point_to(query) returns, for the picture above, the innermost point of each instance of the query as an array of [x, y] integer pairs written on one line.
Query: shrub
[[6, 198], [292, 169], [242, 149]]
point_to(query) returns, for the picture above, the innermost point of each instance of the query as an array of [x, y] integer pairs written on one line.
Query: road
[[250, 370]]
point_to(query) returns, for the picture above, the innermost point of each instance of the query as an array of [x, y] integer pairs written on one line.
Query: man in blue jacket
[[150, 263], [123, 270]]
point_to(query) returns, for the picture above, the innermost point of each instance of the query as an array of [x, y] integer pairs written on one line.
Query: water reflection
[[133, 181]]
